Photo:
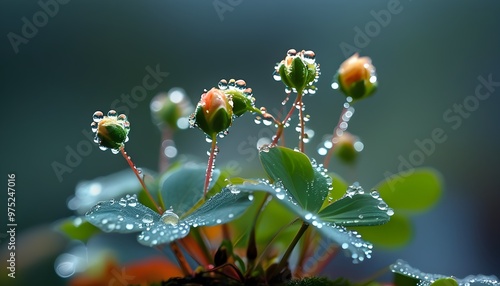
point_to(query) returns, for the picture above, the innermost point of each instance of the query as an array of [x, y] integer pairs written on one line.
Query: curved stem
[[210, 165], [252, 245], [286, 256], [138, 175]]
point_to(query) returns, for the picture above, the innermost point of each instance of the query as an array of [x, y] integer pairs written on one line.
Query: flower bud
[[110, 131], [171, 109], [356, 77], [347, 147], [298, 71], [214, 112], [240, 94]]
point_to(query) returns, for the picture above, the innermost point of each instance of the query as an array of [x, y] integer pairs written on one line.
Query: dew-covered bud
[[171, 109], [110, 131], [214, 112], [356, 77], [298, 71], [240, 94], [347, 147]]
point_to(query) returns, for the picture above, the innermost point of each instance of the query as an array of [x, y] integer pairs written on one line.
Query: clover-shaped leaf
[[296, 173], [302, 186], [406, 275], [127, 215], [348, 240]]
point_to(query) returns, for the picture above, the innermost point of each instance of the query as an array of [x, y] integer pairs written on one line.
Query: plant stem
[[200, 239], [301, 122], [281, 126], [210, 165], [328, 156], [138, 175], [252, 246], [288, 252], [181, 259]]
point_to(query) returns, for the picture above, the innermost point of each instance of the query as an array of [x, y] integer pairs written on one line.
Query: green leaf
[[339, 186], [223, 207], [406, 275], [360, 209], [395, 233], [78, 228], [349, 241], [182, 188], [445, 282], [411, 191], [296, 173]]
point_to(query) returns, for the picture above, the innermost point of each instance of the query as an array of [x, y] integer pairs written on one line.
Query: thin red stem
[[134, 169], [281, 126], [210, 165]]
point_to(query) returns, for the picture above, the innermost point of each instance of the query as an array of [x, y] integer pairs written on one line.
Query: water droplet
[[375, 194], [129, 226], [345, 245], [222, 84], [309, 57], [250, 197], [291, 52], [233, 189], [112, 113], [382, 205], [276, 76], [280, 196], [361, 216], [308, 216], [218, 221], [147, 218], [122, 117], [169, 217], [104, 221], [390, 212], [258, 120], [240, 84], [94, 125], [123, 202], [98, 116]]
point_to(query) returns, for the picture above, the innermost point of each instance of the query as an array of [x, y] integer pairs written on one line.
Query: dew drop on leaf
[[169, 217]]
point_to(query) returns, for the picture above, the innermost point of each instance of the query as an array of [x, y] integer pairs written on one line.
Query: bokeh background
[[428, 55]]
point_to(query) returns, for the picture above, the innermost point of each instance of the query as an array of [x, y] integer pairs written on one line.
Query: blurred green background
[[428, 56]]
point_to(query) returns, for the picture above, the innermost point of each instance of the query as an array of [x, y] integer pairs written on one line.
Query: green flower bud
[[298, 71], [111, 131], [214, 112], [241, 95], [171, 109], [347, 147], [356, 77]]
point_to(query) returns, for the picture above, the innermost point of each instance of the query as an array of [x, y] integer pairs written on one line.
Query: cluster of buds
[[218, 106], [356, 77], [298, 71], [111, 131]]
